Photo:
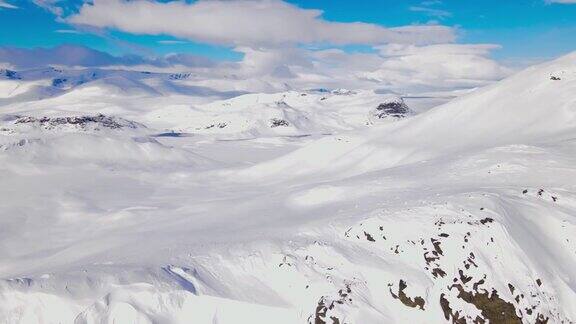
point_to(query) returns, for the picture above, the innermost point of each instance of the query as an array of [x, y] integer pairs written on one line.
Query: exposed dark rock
[[438, 272], [9, 74], [511, 288], [429, 259], [320, 314], [79, 121], [492, 307], [396, 109], [179, 76], [437, 248], [541, 319], [416, 302], [59, 82], [325, 305], [369, 237], [276, 122], [479, 283], [464, 278], [445, 304]]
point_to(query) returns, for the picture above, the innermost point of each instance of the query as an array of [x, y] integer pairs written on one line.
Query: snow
[[121, 204]]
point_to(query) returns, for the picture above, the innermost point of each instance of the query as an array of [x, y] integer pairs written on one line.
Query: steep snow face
[[465, 213]]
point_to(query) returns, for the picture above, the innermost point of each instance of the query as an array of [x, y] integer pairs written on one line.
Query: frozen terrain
[[130, 197]]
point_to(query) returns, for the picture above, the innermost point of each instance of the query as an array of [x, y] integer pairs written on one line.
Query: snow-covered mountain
[[285, 114], [174, 103], [130, 198]]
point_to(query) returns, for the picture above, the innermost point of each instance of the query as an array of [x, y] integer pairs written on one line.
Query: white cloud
[[50, 5], [442, 65], [246, 23], [562, 1], [5, 4], [396, 67], [268, 34], [171, 42], [439, 13], [67, 31]]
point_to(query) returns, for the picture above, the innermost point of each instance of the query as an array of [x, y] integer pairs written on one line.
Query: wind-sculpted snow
[[297, 207]]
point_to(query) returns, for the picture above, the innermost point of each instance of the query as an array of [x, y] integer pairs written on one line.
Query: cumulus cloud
[[437, 66], [408, 68], [246, 23], [395, 67], [269, 35]]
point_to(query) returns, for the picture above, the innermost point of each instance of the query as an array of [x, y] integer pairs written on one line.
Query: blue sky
[[526, 29]]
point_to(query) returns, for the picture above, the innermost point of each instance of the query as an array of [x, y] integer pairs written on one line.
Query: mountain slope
[[465, 213], [534, 106]]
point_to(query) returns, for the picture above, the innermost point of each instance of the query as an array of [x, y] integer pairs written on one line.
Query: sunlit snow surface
[[123, 200]]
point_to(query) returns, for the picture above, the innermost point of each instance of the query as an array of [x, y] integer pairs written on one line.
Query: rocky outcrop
[[392, 109], [82, 122]]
